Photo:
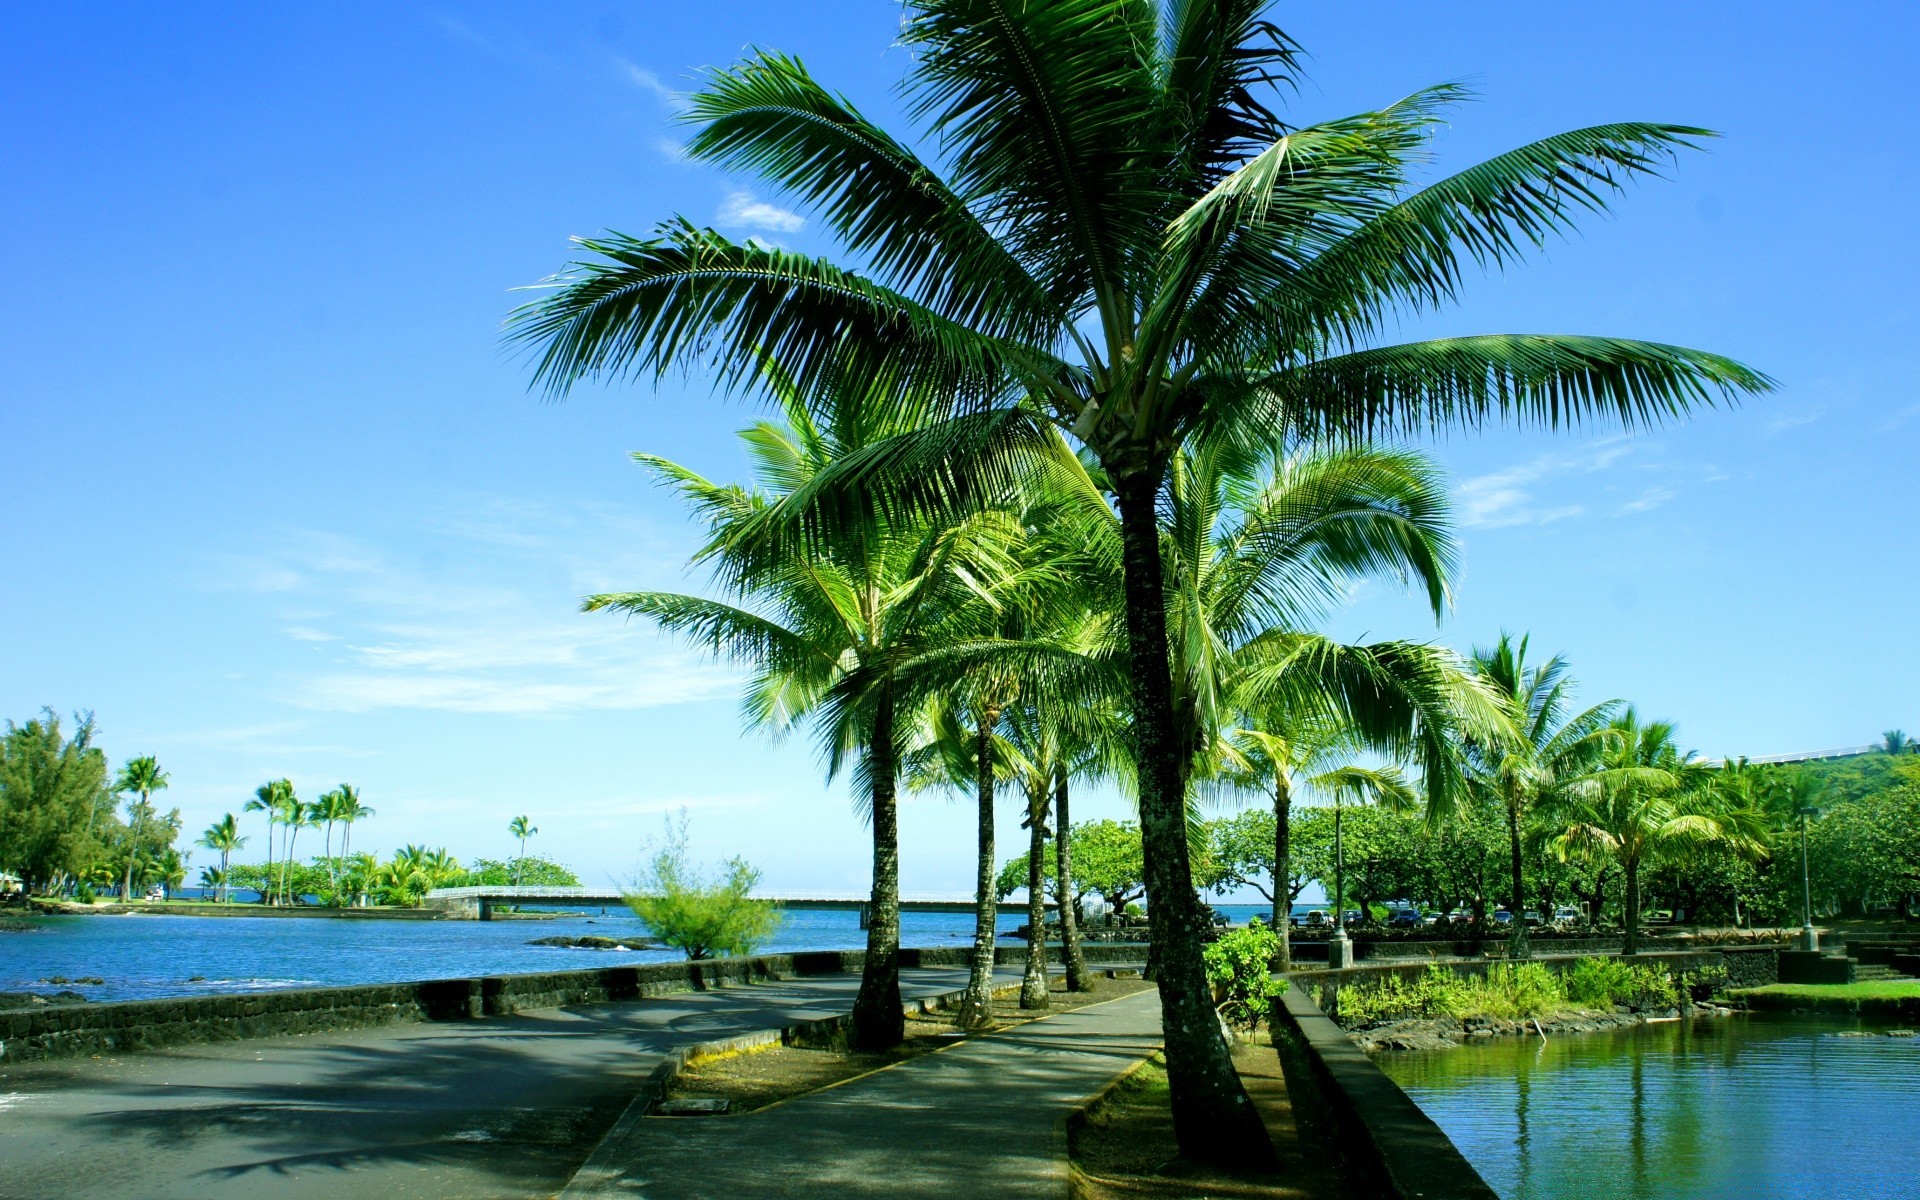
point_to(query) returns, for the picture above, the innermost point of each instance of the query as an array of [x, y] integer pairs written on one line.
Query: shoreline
[[164, 908], [1442, 1033]]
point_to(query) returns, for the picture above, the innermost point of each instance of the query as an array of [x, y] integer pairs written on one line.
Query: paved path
[[504, 1107], [978, 1120]]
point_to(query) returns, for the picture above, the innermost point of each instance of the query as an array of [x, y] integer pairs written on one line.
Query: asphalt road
[[504, 1107]]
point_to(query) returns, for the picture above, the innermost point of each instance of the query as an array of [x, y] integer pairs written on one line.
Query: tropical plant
[[696, 913], [1896, 741], [1133, 245], [224, 837], [520, 829], [274, 798], [1240, 966], [143, 777], [827, 629]]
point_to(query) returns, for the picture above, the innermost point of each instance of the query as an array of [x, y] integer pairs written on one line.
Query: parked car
[[1405, 918], [1317, 919], [1502, 917], [1220, 919]]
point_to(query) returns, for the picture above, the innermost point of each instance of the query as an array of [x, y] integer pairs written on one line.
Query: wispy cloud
[[483, 618], [1648, 500], [647, 81], [1793, 416], [741, 210], [1513, 496]]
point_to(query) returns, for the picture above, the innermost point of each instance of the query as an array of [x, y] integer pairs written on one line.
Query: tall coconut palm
[[143, 777], [270, 798], [825, 630], [295, 816], [351, 810], [520, 828], [1126, 240], [1650, 802], [224, 836], [1549, 751]]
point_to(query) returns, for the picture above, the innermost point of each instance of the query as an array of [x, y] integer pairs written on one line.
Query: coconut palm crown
[[1116, 233]]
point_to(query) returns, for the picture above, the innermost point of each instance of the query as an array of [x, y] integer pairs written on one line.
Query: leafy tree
[[698, 914], [143, 777], [1896, 741], [531, 870], [224, 837], [1129, 242], [54, 800]]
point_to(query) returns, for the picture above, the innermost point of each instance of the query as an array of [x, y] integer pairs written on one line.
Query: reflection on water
[[141, 956], [1743, 1107]]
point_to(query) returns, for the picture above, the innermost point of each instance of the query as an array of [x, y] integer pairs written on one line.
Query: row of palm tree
[[1123, 275], [288, 814]]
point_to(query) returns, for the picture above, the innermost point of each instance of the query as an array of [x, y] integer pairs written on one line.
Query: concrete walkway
[[504, 1107], [981, 1119]]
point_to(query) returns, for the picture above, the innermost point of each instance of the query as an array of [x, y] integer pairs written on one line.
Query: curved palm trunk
[[1283, 869], [133, 851], [1033, 982], [1632, 945], [266, 884], [1517, 944], [286, 866], [878, 1021], [1213, 1119], [1076, 962], [976, 1007]]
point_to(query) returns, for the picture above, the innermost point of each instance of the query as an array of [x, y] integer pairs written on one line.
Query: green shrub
[[1603, 982], [1240, 969]]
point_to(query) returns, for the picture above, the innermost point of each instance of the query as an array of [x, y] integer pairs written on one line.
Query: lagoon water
[[1752, 1107], [141, 956]]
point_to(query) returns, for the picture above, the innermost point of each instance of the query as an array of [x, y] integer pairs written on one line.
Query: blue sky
[[278, 502]]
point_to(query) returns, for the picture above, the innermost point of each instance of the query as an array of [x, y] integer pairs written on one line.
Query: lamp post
[[1339, 946], [1809, 936]]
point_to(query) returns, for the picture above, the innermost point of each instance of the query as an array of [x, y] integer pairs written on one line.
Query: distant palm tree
[[224, 836], [1649, 802], [269, 798], [1896, 741], [1547, 753], [295, 816], [521, 828], [143, 777], [351, 810]]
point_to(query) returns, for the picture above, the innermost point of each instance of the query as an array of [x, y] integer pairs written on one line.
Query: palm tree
[[143, 777], [295, 815], [269, 798], [521, 828], [1896, 741], [1650, 802], [224, 836], [826, 631], [351, 810], [1547, 752], [1133, 246], [957, 747]]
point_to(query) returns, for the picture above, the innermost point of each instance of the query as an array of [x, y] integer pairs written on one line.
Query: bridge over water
[[477, 903]]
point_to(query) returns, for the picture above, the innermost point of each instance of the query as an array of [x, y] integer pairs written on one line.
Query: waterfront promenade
[[505, 1107]]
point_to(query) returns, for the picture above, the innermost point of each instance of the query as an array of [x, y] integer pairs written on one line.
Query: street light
[[1809, 936]]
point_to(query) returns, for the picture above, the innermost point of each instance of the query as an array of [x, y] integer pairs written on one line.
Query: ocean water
[[140, 956], [1756, 1107]]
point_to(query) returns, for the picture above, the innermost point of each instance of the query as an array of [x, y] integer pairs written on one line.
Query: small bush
[[700, 916], [1240, 969], [1604, 982], [1516, 991]]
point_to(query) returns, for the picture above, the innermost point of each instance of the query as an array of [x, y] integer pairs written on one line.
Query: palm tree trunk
[[1632, 945], [266, 884], [1076, 962], [878, 1021], [1213, 1119], [286, 867], [1033, 983], [1283, 869], [976, 1007], [1517, 945]]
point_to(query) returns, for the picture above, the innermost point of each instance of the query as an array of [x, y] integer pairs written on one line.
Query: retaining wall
[[1385, 1145], [131, 1025]]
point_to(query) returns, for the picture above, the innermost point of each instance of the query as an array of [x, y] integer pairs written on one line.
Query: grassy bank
[[1889, 999], [1513, 991]]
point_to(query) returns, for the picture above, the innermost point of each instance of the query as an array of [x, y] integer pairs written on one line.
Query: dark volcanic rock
[[38, 999], [592, 942]]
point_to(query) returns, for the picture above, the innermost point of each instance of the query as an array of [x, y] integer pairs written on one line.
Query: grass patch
[[1124, 1145], [768, 1075], [1514, 991], [1875, 989]]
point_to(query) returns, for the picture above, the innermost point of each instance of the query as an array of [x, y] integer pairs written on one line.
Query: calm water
[[1744, 1107], [140, 956]]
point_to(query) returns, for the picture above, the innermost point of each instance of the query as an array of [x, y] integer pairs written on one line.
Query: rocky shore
[[592, 942], [1444, 1033]]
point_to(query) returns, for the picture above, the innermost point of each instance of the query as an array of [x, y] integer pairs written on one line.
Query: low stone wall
[[1369, 949], [132, 1025], [1811, 966], [1385, 1145]]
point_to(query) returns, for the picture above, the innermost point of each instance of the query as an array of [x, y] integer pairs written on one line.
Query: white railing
[[532, 892], [1809, 755]]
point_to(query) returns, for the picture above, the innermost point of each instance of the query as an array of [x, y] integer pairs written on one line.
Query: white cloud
[[672, 151], [1509, 497], [1648, 500], [1793, 416], [741, 210]]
